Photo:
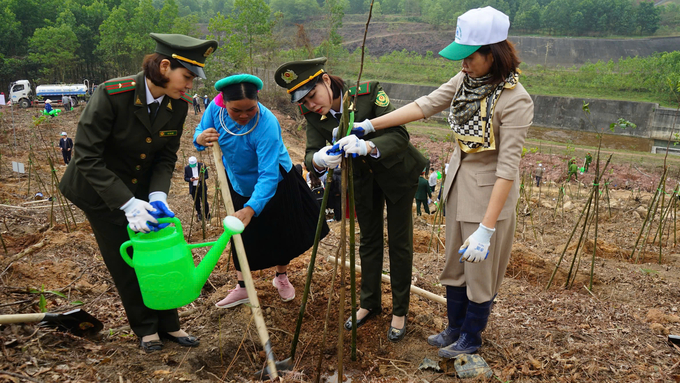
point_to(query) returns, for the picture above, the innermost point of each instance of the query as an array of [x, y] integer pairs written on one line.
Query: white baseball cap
[[63, 133], [192, 160], [48, 101], [477, 27]]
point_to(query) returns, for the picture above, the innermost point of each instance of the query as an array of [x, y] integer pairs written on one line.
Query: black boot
[[456, 307], [470, 338]]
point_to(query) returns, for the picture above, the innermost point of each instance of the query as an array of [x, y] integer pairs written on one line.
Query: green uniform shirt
[[423, 192], [396, 170], [118, 153]]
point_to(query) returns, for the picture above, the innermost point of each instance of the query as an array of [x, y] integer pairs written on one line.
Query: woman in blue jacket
[[270, 197]]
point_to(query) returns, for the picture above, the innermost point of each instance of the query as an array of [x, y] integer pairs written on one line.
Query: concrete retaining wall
[[652, 121]]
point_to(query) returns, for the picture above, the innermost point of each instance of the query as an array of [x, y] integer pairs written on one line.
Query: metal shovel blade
[[284, 365], [75, 321]]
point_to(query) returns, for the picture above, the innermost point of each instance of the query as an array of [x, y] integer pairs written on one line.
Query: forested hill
[[48, 41]]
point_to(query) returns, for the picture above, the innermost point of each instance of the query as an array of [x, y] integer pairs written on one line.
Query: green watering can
[[165, 267]]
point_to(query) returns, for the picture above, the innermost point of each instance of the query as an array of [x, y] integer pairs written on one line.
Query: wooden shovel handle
[[243, 262], [21, 318]]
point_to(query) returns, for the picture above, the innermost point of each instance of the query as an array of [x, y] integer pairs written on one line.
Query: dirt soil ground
[[616, 332]]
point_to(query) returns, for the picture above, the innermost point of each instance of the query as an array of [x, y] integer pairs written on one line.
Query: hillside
[[614, 333]]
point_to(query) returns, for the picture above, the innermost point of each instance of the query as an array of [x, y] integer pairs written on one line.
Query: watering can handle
[[131, 233], [173, 220], [124, 254]]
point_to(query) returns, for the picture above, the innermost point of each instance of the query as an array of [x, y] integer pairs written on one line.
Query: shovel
[[271, 371], [76, 321]]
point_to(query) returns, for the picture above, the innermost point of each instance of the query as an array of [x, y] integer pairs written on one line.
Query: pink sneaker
[[286, 290], [237, 296]]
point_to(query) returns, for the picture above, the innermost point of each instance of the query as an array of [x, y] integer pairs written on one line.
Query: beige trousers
[[483, 279]]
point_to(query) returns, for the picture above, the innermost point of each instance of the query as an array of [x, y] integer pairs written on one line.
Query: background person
[[482, 190], [538, 173], [197, 104], [423, 193], [125, 152], [432, 180], [586, 164], [66, 145], [270, 197], [386, 173], [196, 175]]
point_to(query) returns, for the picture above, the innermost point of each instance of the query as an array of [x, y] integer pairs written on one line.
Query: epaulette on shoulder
[[304, 110], [120, 85], [186, 98], [364, 88]]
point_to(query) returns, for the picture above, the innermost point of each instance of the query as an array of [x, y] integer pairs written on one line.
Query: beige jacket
[[476, 173]]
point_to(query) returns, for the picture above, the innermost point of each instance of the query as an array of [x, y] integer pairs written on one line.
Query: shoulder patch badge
[[120, 85], [364, 88], [382, 100], [304, 110], [186, 98]]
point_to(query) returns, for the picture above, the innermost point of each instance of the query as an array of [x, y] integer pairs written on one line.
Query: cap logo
[[288, 76], [208, 52], [458, 33]]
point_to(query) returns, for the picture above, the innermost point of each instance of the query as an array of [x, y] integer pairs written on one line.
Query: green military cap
[[300, 77], [189, 51]]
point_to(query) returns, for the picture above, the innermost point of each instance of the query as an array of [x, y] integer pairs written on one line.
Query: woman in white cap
[[490, 115], [269, 196]]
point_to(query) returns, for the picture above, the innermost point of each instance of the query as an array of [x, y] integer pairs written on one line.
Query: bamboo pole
[[414, 289], [245, 269], [328, 315], [312, 263]]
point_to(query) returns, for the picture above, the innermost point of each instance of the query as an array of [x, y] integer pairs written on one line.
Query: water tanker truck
[[21, 93]]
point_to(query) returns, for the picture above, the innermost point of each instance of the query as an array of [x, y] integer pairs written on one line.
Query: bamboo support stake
[[312, 263], [341, 303], [328, 315], [414, 289], [352, 271]]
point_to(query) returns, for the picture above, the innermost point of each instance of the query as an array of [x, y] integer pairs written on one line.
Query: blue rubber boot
[[470, 338], [456, 307]]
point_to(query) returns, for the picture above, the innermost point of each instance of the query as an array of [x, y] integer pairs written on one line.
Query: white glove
[[476, 246], [362, 128], [138, 213], [353, 144], [324, 160], [335, 133]]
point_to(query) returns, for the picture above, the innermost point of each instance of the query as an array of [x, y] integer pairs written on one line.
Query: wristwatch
[[372, 145]]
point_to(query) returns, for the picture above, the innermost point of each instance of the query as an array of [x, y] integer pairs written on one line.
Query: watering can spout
[[232, 226]]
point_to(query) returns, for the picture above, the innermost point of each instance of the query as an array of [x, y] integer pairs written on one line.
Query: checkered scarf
[[471, 113]]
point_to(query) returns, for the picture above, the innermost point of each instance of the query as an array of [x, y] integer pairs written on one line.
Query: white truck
[[21, 93]]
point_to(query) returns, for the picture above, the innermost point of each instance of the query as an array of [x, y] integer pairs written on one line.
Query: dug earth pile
[[615, 332]]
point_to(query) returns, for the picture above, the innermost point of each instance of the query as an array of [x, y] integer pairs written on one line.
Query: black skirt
[[286, 226]]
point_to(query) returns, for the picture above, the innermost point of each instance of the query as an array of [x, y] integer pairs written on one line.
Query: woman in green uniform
[[125, 153], [386, 171]]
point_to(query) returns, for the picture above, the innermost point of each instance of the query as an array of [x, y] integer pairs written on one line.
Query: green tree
[[10, 32], [113, 47], [296, 11], [241, 35], [54, 48], [578, 23], [647, 17]]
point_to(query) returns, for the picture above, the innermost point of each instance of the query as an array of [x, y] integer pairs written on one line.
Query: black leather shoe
[[397, 334], [151, 346], [186, 341], [360, 322]]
